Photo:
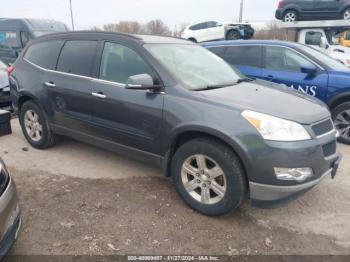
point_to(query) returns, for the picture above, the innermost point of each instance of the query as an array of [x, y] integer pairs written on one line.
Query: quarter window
[[283, 59], [44, 54], [77, 57], [244, 55], [120, 62]]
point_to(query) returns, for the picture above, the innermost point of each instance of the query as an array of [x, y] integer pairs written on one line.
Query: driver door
[[131, 118], [284, 66]]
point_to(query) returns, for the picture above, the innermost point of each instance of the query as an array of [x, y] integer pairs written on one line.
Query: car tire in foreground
[[341, 118], [209, 176], [290, 16], [35, 126]]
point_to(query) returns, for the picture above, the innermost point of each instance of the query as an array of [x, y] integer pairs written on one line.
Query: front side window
[[77, 57], [244, 55], [284, 59], [9, 38], [120, 62], [193, 66], [44, 54]]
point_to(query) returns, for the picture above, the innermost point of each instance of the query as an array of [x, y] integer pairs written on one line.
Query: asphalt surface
[[78, 199]]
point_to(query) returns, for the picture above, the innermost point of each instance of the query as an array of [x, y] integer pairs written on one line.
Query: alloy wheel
[[346, 15], [32, 125], [290, 17], [203, 179], [342, 124]]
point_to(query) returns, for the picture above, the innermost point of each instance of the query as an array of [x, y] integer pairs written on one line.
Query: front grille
[[330, 148], [323, 127]]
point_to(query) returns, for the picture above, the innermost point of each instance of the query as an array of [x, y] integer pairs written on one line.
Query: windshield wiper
[[244, 79], [211, 87]]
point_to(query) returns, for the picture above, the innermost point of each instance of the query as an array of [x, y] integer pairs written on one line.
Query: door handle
[[50, 84], [99, 95]]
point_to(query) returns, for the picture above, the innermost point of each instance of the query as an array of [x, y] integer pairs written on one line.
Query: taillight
[[10, 70], [280, 3]]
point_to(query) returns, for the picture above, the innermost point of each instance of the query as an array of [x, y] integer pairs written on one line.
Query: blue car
[[297, 66]]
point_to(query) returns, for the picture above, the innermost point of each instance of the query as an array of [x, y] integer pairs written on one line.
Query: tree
[[156, 27], [131, 27], [273, 31]]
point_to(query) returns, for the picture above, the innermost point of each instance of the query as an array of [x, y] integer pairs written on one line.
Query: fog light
[[296, 174]]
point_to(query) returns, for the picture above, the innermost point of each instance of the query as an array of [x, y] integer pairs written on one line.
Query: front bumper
[[269, 196], [279, 14], [10, 218]]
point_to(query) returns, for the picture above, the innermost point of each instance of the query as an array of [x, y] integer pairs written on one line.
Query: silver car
[[10, 214], [5, 99]]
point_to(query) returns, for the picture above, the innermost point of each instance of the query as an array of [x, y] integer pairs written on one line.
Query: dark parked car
[[16, 33], [298, 10], [10, 214], [174, 103]]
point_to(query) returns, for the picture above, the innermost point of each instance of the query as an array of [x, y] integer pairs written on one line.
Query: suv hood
[[269, 98]]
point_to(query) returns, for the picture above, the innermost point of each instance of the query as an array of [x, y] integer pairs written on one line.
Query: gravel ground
[[77, 200]]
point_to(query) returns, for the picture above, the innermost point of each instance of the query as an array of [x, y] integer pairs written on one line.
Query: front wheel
[[346, 14], [233, 35], [208, 176], [35, 126], [341, 118]]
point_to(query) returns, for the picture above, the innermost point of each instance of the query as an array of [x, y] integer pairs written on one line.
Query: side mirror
[[141, 82], [309, 70], [324, 42]]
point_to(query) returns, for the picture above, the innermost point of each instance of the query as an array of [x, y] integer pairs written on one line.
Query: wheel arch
[[186, 134], [339, 99], [294, 9]]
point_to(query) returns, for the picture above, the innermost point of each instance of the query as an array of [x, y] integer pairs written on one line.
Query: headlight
[[276, 129]]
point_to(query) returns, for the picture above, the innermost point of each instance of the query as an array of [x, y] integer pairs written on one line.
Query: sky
[[88, 13]]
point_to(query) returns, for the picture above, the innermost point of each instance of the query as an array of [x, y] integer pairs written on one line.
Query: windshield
[[194, 66], [325, 59]]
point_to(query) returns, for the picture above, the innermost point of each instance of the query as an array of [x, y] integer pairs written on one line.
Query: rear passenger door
[[328, 7], [132, 118], [69, 88], [247, 59]]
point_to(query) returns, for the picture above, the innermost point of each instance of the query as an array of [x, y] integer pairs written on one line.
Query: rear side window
[[120, 62], [44, 54], [199, 26], [244, 55], [77, 57], [9, 38]]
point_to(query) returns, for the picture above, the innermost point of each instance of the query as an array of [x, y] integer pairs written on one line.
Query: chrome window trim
[[75, 75], [262, 45]]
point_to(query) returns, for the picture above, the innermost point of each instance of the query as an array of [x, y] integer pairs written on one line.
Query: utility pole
[[241, 11], [71, 13]]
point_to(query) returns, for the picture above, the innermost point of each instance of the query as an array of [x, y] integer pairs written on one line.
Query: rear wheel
[[208, 176], [290, 16], [35, 126], [341, 118], [346, 14], [233, 35]]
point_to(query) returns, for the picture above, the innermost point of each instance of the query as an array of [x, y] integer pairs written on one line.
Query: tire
[[341, 118], [233, 179], [290, 16], [193, 40], [346, 14], [28, 113], [233, 35]]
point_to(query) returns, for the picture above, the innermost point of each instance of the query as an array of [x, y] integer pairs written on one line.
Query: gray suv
[[298, 10], [167, 101]]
